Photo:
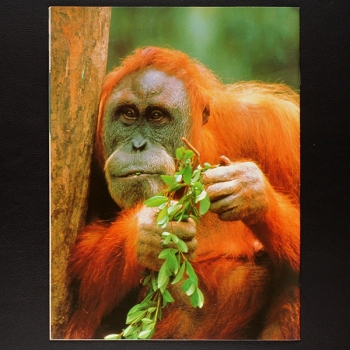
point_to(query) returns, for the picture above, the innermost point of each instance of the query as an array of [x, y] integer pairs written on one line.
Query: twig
[[188, 144], [191, 147]]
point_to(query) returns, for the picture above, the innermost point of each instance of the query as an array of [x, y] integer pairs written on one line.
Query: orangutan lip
[[136, 173]]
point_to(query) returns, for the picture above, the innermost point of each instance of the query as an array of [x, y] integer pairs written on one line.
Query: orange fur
[[248, 121]]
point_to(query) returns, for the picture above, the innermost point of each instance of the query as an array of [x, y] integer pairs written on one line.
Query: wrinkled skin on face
[[145, 117]]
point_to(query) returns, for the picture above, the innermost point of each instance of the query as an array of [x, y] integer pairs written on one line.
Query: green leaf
[[187, 204], [194, 218], [172, 209], [198, 185], [187, 175], [134, 335], [167, 296], [135, 308], [175, 187], [155, 201], [162, 216], [178, 256], [164, 253], [112, 337], [204, 205], [186, 285], [180, 152], [184, 217], [144, 334], [128, 330], [174, 238], [184, 199], [146, 280], [179, 275], [180, 171], [148, 326], [146, 320], [162, 206], [134, 316], [146, 303], [165, 224], [172, 262], [194, 299], [148, 298], [163, 275], [201, 196], [163, 287], [200, 298], [188, 154], [195, 211], [191, 274], [207, 166], [182, 246], [178, 216], [167, 240], [177, 177], [196, 175], [168, 179], [151, 309], [190, 290], [154, 281]]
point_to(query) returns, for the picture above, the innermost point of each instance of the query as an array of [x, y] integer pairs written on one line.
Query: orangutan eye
[[129, 114], [158, 116]]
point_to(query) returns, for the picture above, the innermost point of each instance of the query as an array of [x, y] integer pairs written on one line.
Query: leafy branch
[[143, 317]]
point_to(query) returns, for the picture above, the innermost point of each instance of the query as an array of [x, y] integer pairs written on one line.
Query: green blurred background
[[236, 43]]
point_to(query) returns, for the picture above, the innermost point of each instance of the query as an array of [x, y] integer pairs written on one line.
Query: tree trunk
[[79, 45]]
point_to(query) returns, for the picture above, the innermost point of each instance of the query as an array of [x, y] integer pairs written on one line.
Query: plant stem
[[158, 306]]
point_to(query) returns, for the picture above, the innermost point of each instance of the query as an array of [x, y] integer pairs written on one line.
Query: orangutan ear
[[206, 114]]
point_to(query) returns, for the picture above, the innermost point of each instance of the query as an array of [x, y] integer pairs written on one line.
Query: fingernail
[[224, 161]]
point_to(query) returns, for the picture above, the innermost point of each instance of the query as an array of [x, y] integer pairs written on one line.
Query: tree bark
[[79, 45]]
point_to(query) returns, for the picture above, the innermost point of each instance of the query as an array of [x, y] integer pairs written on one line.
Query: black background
[[24, 177]]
